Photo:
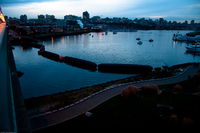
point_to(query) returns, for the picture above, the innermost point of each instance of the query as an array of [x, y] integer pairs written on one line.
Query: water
[[43, 76]]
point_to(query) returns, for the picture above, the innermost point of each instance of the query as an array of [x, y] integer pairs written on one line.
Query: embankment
[[62, 34], [124, 68]]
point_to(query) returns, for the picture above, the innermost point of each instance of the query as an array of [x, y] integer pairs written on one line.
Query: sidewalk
[[64, 114]]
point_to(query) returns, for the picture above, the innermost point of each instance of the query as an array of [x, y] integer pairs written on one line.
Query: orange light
[[52, 41], [75, 39], [22, 48], [1, 16], [67, 39], [63, 40]]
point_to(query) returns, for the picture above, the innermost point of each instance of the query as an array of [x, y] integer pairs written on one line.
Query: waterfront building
[[50, 19], [41, 16], [96, 19], [70, 17]]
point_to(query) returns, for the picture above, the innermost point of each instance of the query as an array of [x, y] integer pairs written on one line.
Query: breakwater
[[80, 63], [89, 65], [49, 55], [105, 68]]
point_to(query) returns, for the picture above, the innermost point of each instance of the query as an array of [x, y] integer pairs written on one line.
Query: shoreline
[[46, 103], [73, 110], [42, 36]]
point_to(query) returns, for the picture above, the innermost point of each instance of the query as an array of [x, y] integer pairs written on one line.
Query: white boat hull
[[193, 49]]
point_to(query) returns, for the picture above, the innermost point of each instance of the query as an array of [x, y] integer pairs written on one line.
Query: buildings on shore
[[50, 24]]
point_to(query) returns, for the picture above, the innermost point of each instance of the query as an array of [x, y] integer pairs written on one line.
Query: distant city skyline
[[171, 10]]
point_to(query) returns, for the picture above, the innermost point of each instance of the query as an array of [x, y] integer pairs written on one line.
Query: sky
[[171, 10]]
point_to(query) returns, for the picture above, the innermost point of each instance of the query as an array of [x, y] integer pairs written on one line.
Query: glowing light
[[67, 39], [22, 48], [100, 37], [74, 39], [1, 15], [63, 40], [52, 41]]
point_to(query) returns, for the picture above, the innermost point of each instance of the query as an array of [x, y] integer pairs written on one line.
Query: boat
[[139, 42], [179, 37], [150, 40], [193, 48], [194, 39], [138, 38], [114, 32]]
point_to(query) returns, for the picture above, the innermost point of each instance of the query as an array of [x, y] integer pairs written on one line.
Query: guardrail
[[6, 113], [13, 111]]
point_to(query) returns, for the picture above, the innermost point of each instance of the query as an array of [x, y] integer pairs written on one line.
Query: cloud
[[15, 2], [105, 8]]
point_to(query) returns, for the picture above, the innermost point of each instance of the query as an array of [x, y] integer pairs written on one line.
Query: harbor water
[[43, 76]]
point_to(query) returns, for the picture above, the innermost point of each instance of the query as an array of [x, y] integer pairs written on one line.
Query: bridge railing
[[13, 116]]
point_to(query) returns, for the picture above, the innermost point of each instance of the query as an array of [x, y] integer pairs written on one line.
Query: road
[[86, 105]]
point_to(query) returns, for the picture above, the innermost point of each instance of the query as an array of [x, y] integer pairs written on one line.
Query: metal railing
[[13, 116]]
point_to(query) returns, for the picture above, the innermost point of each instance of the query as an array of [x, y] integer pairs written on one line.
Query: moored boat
[[139, 42], [114, 32], [193, 48], [179, 37], [138, 38], [150, 40]]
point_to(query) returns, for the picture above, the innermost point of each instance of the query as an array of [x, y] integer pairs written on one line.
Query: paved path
[[67, 113]]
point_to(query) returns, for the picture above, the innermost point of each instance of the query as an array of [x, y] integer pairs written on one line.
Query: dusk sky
[[179, 10]]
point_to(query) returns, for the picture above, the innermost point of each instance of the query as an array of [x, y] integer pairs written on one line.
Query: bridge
[[13, 116]]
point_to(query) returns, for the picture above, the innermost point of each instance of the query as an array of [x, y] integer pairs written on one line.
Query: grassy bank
[[142, 112], [50, 102]]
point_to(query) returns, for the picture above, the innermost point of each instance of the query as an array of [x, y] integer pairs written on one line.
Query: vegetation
[[143, 110], [46, 103]]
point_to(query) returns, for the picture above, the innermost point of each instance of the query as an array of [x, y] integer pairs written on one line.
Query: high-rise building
[[41, 16], [50, 19], [23, 19], [192, 21], [86, 17]]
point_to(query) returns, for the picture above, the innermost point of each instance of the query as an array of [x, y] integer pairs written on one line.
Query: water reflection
[[63, 40], [52, 41], [67, 39], [43, 76], [75, 40], [85, 39], [193, 53], [100, 37], [24, 48]]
